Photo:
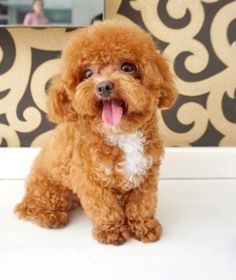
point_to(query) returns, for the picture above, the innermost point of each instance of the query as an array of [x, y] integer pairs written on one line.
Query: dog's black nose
[[105, 88]]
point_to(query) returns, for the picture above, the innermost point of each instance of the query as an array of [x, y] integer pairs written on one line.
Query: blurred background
[[58, 12]]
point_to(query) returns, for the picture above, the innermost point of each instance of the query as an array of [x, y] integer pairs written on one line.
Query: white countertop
[[198, 242]]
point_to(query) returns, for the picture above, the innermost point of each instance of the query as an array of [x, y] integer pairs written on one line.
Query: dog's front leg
[[108, 218], [140, 208]]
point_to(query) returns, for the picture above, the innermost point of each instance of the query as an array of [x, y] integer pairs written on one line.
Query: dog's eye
[[87, 74], [128, 67]]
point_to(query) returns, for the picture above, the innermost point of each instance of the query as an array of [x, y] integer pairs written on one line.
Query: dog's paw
[[148, 230], [57, 219], [43, 217], [111, 234]]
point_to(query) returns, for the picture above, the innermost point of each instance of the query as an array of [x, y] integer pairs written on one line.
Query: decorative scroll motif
[[28, 59], [199, 39]]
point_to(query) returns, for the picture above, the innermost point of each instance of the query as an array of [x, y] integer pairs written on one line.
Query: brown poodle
[[106, 149]]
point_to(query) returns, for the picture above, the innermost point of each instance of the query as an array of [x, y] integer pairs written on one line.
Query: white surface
[[212, 162], [198, 242]]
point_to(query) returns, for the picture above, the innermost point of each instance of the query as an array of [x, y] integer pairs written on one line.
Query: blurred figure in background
[[36, 16]]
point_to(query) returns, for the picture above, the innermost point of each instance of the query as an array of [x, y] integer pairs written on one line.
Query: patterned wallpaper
[[29, 57], [199, 39]]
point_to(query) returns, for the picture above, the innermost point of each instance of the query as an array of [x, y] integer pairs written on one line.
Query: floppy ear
[[162, 83], [168, 91], [59, 104]]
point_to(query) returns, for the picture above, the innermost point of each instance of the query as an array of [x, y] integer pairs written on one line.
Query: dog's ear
[[59, 104], [168, 91], [158, 75]]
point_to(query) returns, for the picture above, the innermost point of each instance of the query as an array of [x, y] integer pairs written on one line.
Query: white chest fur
[[135, 162]]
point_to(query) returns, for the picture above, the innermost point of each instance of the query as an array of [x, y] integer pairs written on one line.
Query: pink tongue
[[112, 112]]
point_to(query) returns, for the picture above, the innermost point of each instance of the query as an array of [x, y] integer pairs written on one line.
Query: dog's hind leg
[[45, 202]]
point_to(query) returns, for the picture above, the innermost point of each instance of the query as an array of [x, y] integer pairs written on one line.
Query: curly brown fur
[[105, 150]]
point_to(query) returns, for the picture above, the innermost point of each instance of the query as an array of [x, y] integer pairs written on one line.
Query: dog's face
[[113, 76]]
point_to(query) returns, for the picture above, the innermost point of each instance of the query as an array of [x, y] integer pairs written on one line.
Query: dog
[[106, 150]]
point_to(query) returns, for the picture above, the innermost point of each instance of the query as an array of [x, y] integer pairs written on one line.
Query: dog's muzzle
[[105, 89]]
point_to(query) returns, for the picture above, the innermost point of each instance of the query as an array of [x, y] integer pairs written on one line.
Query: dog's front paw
[[146, 230], [111, 234]]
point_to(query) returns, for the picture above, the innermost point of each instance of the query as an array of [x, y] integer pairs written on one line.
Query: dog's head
[[112, 75]]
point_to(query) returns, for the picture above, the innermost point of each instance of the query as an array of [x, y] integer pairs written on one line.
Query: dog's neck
[[87, 127], [136, 146]]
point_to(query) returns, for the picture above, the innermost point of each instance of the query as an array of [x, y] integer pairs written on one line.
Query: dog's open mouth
[[112, 111]]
